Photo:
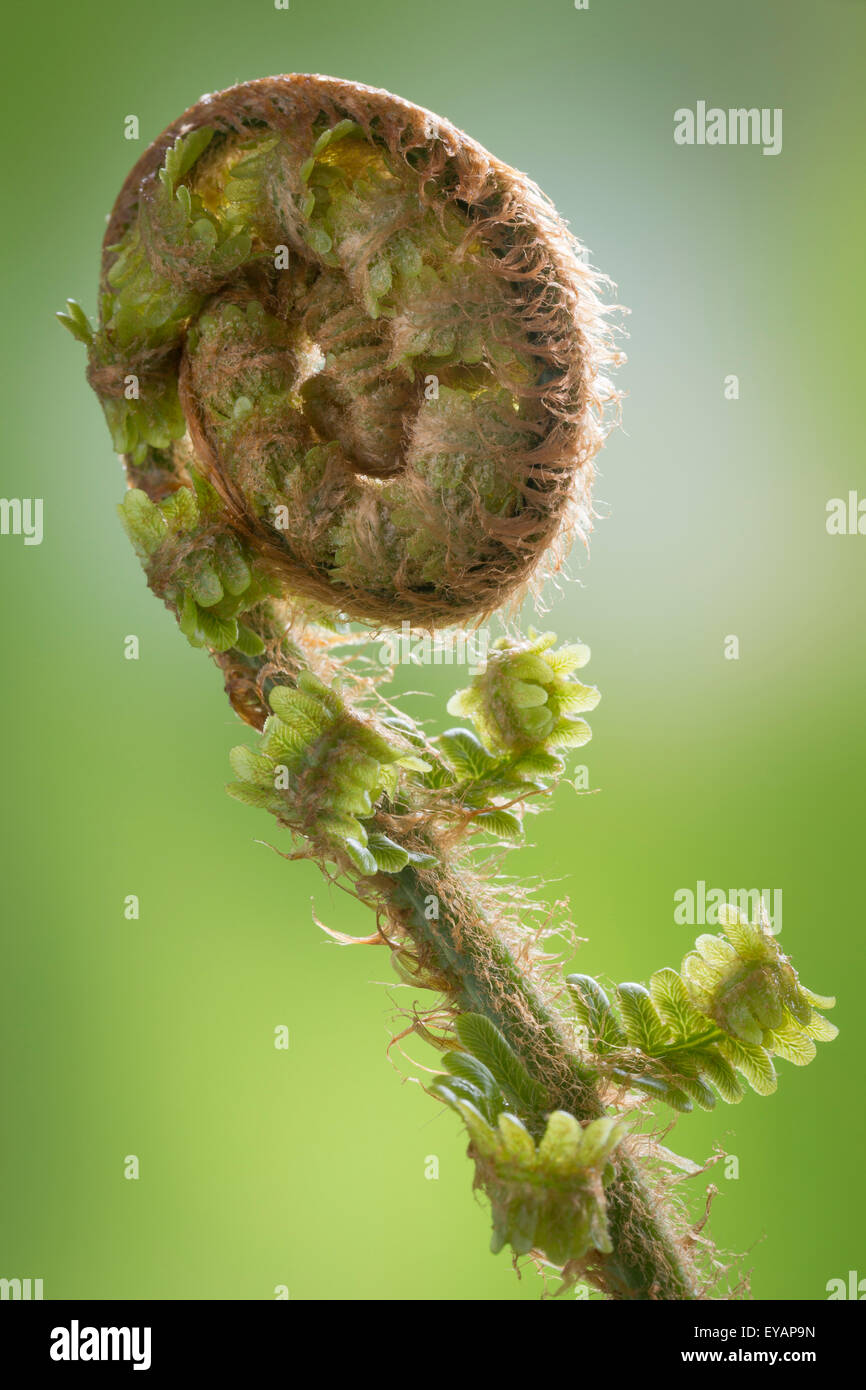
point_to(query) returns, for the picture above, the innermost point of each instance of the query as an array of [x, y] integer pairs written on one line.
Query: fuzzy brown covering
[[555, 299]]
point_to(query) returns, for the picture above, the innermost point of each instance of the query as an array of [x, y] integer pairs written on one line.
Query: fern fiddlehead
[[356, 367]]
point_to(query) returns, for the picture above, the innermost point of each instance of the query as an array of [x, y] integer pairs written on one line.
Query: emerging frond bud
[[526, 700], [547, 1193], [197, 564], [749, 988]]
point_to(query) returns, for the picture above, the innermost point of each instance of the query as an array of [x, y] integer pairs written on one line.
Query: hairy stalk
[[356, 368], [647, 1260]]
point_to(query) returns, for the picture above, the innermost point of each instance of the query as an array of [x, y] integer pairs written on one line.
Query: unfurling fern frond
[[736, 1004], [545, 1180], [526, 703], [359, 369]]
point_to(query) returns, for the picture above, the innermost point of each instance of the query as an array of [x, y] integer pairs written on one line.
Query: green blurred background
[[154, 1037]]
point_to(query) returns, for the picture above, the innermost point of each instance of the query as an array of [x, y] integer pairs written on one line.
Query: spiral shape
[[378, 343]]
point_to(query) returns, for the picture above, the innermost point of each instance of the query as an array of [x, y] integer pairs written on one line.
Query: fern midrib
[[712, 1035]]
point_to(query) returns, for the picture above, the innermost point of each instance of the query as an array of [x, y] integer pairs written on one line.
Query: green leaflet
[[505, 825], [644, 1028], [249, 643], [389, 857], [538, 766], [363, 859], [143, 523], [484, 1090], [181, 156], [711, 1065], [250, 766], [466, 754], [593, 1009], [76, 321], [753, 1061], [258, 797], [481, 1037], [671, 1000]]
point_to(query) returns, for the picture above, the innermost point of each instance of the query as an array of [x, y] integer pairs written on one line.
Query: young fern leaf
[[545, 1176], [736, 1005], [593, 1008], [481, 1038]]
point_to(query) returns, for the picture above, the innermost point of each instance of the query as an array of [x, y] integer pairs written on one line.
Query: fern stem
[[647, 1261]]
